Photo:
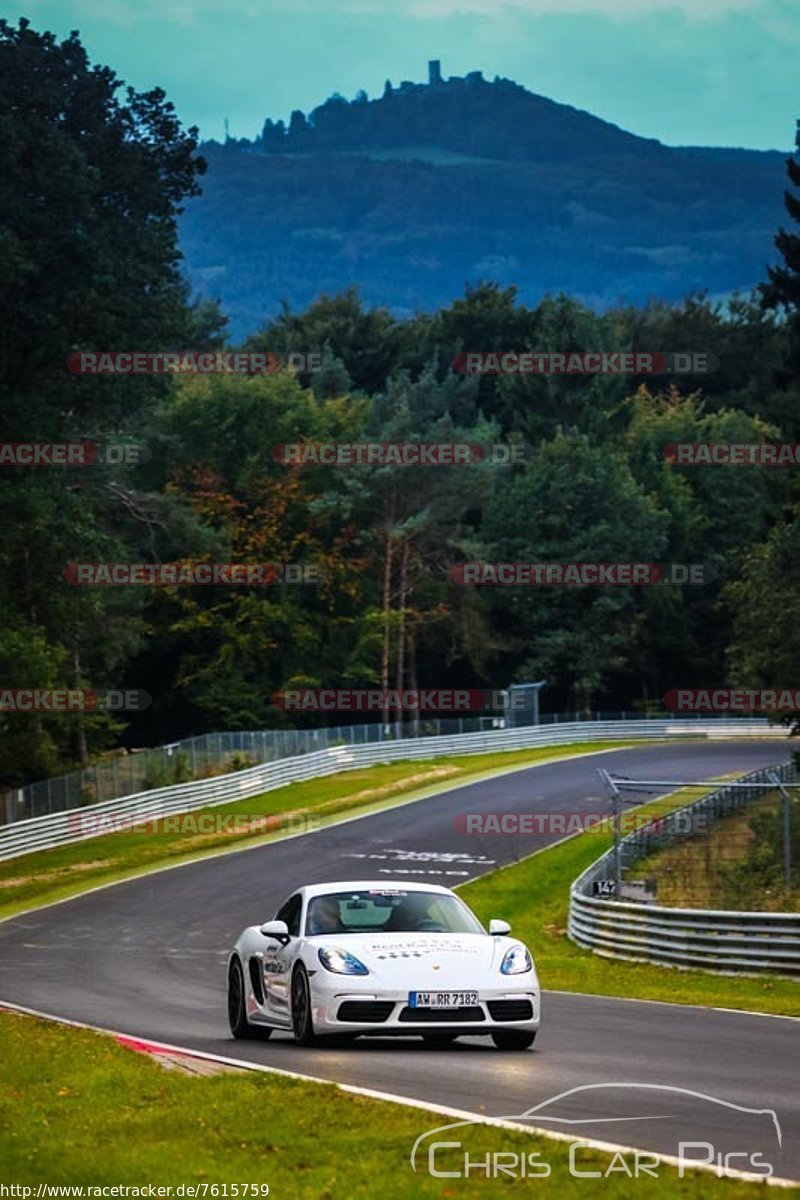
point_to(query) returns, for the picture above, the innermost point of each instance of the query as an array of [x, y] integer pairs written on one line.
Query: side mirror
[[497, 928], [277, 930]]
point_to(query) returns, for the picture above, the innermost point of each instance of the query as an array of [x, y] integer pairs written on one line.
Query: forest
[[594, 481]]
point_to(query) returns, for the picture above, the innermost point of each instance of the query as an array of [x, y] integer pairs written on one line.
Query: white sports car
[[363, 958]]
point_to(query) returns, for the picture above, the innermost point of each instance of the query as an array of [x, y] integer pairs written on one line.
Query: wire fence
[[210, 754], [747, 936], [735, 849], [688, 830]]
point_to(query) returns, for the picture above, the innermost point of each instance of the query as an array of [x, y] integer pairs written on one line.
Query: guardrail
[[127, 774], [711, 939], [80, 824]]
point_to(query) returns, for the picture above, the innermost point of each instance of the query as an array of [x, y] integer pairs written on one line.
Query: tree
[[89, 199], [222, 652], [575, 503], [783, 288], [298, 129], [765, 647], [367, 342]]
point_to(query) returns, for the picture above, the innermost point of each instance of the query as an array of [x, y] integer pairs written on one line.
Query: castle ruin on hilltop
[[435, 79]]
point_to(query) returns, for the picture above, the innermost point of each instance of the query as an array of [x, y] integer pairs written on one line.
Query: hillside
[[468, 116], [434, 185]]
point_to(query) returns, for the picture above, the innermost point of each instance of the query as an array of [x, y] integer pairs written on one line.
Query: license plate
[[442, 999]]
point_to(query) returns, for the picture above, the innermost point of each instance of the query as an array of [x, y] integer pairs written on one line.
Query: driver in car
[[325, 916], [411, 915]]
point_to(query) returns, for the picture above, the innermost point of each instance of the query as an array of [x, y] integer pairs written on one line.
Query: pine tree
[[783, 289]]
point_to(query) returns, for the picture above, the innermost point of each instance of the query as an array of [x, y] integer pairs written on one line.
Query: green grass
[[78, 1109], [49, 875], [534, 896]]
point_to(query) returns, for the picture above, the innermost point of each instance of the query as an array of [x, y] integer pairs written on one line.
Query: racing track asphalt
[[148, 957]]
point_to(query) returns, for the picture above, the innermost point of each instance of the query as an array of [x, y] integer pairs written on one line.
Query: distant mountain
[[435, 185], [467, 116]]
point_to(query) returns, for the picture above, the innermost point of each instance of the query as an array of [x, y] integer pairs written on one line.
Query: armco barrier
[[710, 939], [56, 829], [127, 774]]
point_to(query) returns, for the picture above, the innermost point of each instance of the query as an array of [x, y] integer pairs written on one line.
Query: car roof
[[370, 885]]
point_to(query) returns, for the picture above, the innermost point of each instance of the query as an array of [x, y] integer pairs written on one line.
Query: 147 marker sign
[[604, 887]]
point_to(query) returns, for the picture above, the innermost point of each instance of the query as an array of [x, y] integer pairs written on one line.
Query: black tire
[[302, 1018], [513, 1039], [439, 1041], [237, 1018]]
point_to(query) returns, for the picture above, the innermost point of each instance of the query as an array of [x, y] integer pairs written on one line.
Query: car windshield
[[388, 911]]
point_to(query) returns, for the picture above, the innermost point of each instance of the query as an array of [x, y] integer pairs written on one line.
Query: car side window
[[290, 913]]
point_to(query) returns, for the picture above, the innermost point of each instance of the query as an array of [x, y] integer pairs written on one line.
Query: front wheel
[[237, 1008], [513, 1039], [302, 1019]]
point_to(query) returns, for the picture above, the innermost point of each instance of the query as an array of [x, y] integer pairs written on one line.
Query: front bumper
[[388, 1012]]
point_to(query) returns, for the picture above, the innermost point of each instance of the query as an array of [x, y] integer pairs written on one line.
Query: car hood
[[425, 960]]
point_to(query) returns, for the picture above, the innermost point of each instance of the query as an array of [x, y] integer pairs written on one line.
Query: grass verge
[[534, 896], [48, 875], [78, 1109]]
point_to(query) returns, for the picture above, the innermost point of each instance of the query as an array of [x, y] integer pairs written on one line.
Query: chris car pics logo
[[701, 1131]]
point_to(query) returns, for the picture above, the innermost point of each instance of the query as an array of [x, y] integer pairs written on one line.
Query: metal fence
[[714, 940], [196, 758], [58, 828], [220, 753]]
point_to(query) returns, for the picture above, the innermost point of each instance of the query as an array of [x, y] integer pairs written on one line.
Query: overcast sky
[[702, 72]]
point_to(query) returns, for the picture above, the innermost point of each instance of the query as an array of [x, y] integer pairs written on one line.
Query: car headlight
[[341, 962], [516, 961]]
